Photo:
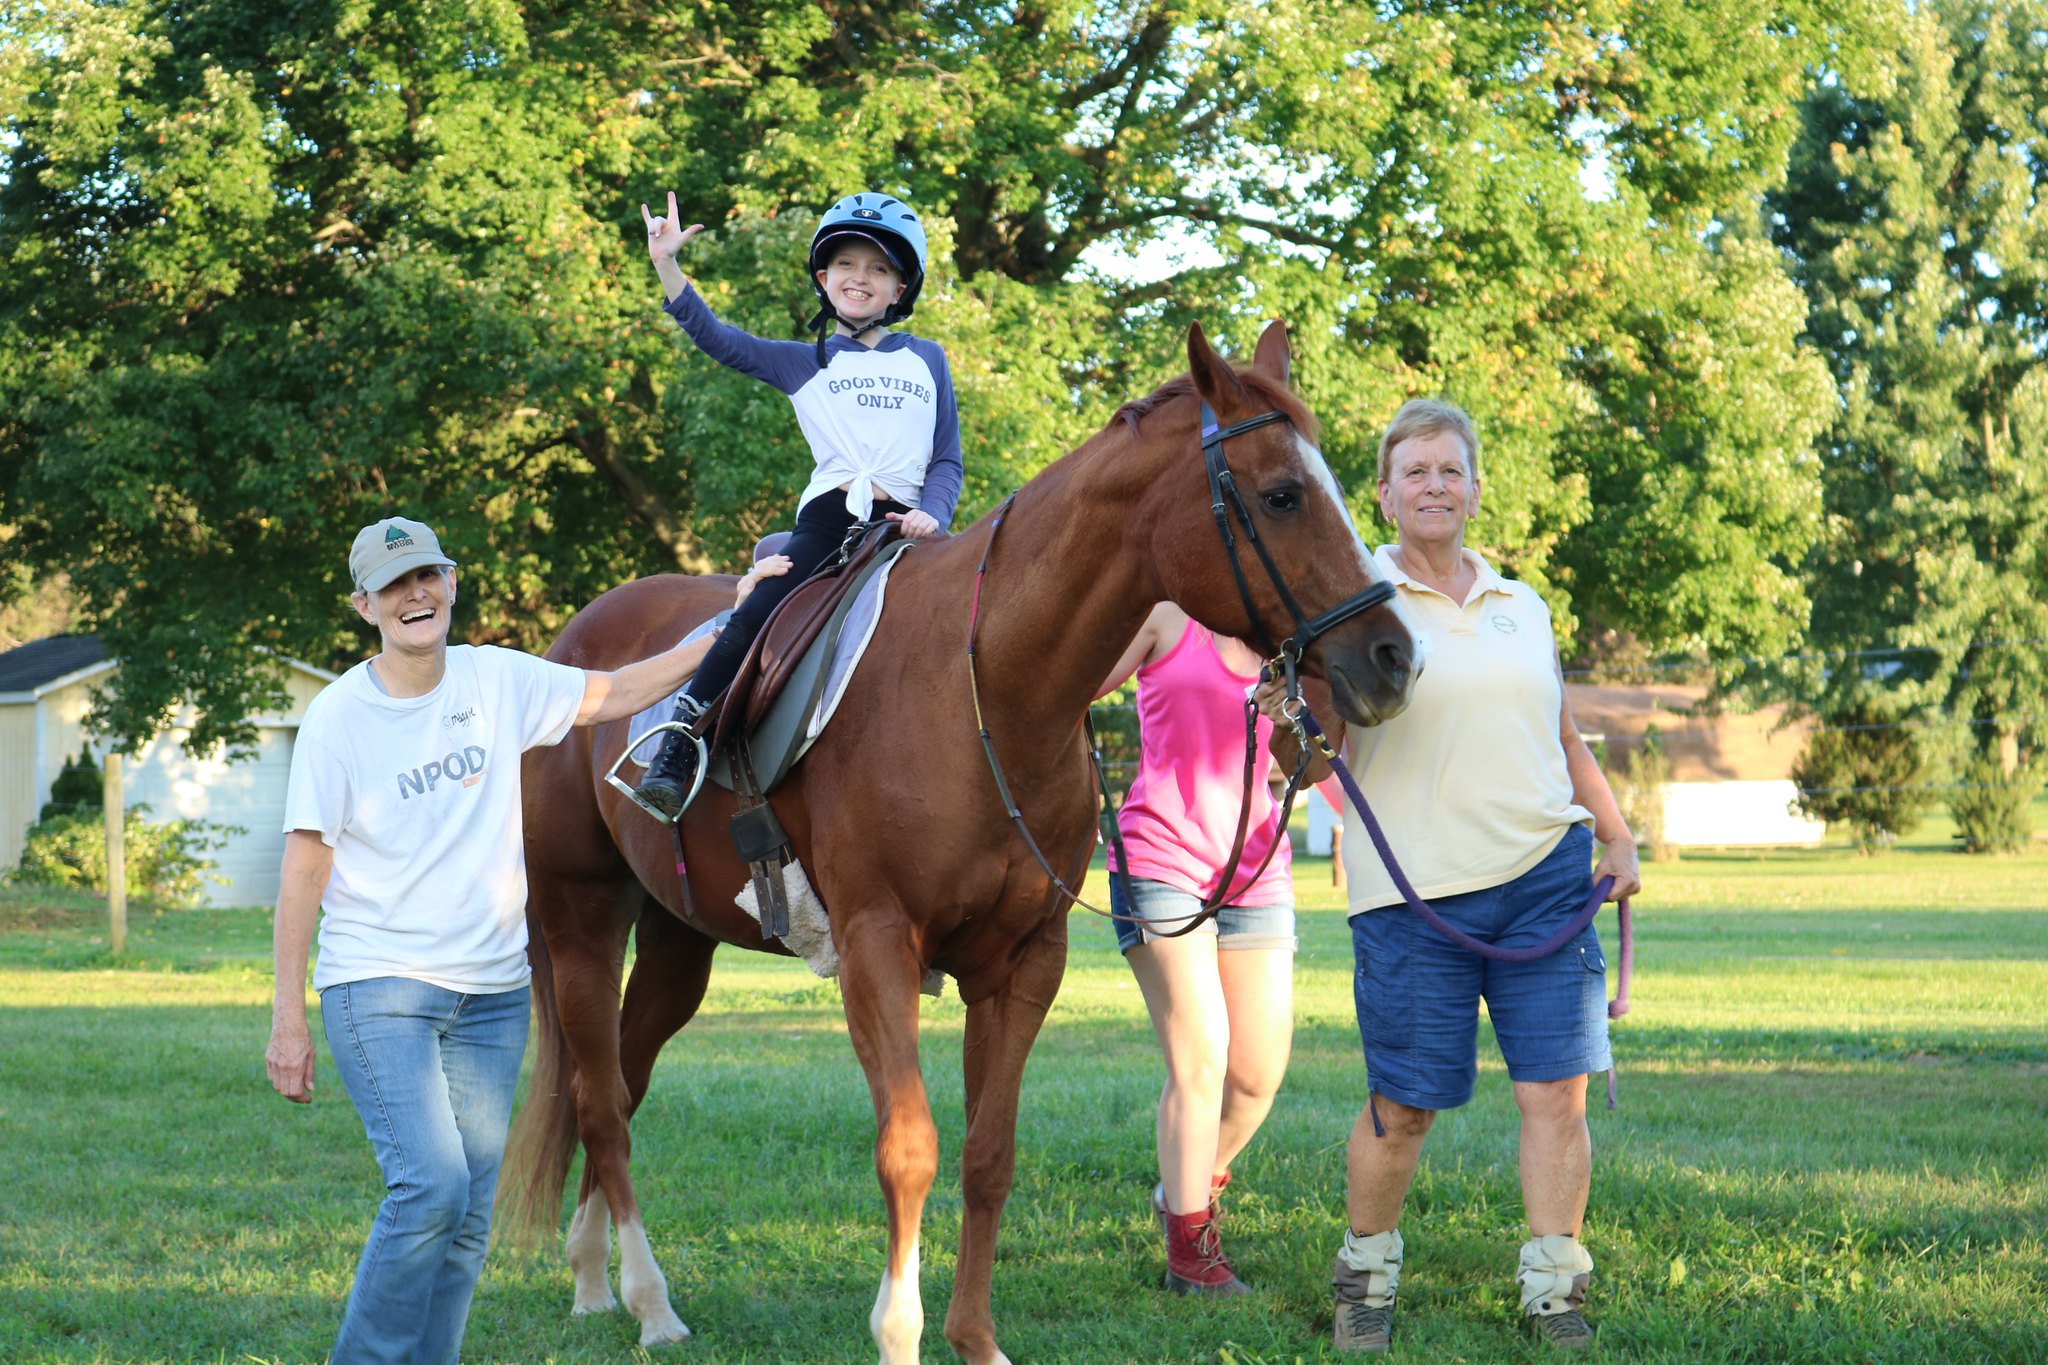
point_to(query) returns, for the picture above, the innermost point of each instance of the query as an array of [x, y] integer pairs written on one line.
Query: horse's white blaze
[[1319, 470], [644, 1289], [590, 1254], [898, 1319]]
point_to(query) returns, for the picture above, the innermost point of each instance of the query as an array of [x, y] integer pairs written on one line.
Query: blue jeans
[[1418, 995], [432, 1073]]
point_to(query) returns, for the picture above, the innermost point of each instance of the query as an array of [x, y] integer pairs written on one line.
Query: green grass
[[1832, 1145]]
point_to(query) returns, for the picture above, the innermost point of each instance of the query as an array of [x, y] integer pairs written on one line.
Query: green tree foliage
[[271, 270], [1993, 808], [78, 787], [1916, 218], [1862, 769]]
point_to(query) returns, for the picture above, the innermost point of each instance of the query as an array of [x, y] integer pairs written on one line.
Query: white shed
[[45, 695], [1731, 773]]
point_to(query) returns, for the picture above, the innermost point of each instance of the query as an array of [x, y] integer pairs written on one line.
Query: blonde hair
[[1427, 417]]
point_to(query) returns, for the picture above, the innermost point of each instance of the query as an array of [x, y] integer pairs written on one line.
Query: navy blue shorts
[[1418, 995]]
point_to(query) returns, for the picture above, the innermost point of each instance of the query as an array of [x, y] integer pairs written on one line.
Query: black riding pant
[[821, 528]]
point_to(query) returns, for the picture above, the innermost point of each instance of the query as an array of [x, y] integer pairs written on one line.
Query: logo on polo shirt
[[1504, 623]]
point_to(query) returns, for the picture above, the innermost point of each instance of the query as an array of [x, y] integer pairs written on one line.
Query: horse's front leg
[[878, 979], [1001, 1027]]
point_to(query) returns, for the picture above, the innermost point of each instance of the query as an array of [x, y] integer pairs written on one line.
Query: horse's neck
[[1068, 587]]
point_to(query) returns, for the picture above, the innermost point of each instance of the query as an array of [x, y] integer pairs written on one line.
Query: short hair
[[1427, 417]]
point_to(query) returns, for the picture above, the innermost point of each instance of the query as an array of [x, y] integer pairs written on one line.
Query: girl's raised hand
[[666, 236]]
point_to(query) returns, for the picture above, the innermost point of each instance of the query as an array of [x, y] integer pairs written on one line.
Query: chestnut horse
[[897, 821]]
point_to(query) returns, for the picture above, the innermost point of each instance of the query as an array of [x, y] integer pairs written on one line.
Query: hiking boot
[[666, 789], [1362, 1327], [1195, 1263], [1568, 1331]]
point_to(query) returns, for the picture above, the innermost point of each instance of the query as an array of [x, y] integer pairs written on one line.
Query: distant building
[[45, 694], [1731, 775]]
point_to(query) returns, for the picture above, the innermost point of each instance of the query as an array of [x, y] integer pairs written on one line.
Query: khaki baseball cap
[[393, 546]]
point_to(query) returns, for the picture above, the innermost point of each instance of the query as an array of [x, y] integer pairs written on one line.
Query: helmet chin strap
[[827, 320]]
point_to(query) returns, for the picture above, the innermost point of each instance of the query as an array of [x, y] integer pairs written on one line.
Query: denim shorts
[[1418, 995], [1235, 926]]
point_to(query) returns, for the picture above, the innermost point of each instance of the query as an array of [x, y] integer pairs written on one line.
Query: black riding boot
[[667, 784]]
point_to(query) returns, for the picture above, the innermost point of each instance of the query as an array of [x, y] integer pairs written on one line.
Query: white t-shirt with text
[[419, 798]]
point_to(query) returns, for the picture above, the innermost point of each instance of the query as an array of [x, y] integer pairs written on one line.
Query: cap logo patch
[[394, 536]]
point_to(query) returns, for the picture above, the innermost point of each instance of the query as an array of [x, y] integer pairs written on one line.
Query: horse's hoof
[[585, 1307], [669, 1333]]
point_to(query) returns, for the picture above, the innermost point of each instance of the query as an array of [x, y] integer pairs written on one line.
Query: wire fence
[[1813, 656]]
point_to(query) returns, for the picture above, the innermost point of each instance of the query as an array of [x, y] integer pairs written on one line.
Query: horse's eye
[[1281, 501]]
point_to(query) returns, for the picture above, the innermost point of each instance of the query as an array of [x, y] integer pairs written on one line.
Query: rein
[[1225, 502], [1224, 890], [1617, 1007]]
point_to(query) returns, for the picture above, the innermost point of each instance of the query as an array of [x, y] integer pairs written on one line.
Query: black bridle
[[1224, 500]]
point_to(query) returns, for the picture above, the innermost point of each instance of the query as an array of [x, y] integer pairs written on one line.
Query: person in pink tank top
[[1221, 997]]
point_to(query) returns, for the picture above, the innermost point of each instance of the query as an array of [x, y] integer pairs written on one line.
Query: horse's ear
[[1273, 356], [1214, 379]]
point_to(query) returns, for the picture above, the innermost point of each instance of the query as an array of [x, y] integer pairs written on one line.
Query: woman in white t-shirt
[[402, 823]]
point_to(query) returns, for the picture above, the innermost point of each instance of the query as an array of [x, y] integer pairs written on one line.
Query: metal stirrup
[[683, 728]]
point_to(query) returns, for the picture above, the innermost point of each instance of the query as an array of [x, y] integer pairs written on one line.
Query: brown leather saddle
[[751, 757], [789, 632]]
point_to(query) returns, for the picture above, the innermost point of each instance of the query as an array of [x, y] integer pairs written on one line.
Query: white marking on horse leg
[[590, 1254], [898, 1319], [645, 1290]]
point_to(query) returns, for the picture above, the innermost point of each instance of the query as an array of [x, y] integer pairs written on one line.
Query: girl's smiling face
[[859, 280]]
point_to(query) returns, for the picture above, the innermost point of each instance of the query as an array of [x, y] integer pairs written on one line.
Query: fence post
[[117, 856]]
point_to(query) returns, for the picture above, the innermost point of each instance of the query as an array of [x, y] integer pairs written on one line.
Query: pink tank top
[[1181, 815]]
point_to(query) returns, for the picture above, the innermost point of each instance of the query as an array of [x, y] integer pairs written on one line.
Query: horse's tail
[[544, 1133]]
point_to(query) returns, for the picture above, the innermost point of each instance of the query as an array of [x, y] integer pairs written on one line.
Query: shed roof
[[27, 667], [28, 671]]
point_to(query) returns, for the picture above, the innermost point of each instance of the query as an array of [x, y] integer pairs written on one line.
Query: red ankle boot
[[1195, 1263]]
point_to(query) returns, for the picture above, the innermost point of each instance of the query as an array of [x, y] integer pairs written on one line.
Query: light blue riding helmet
[[887, 222]]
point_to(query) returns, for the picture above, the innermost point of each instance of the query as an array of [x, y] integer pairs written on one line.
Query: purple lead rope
[[1452, 933]]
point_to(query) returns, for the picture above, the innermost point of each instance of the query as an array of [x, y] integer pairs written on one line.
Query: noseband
[[1224, 502]]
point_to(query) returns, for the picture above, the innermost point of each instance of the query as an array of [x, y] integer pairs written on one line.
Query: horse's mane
[[1274, 392]]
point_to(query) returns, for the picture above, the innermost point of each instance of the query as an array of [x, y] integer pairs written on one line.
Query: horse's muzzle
[[1372, 686]]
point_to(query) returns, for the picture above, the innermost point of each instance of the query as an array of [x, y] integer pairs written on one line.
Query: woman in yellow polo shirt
[[1493, 802]]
